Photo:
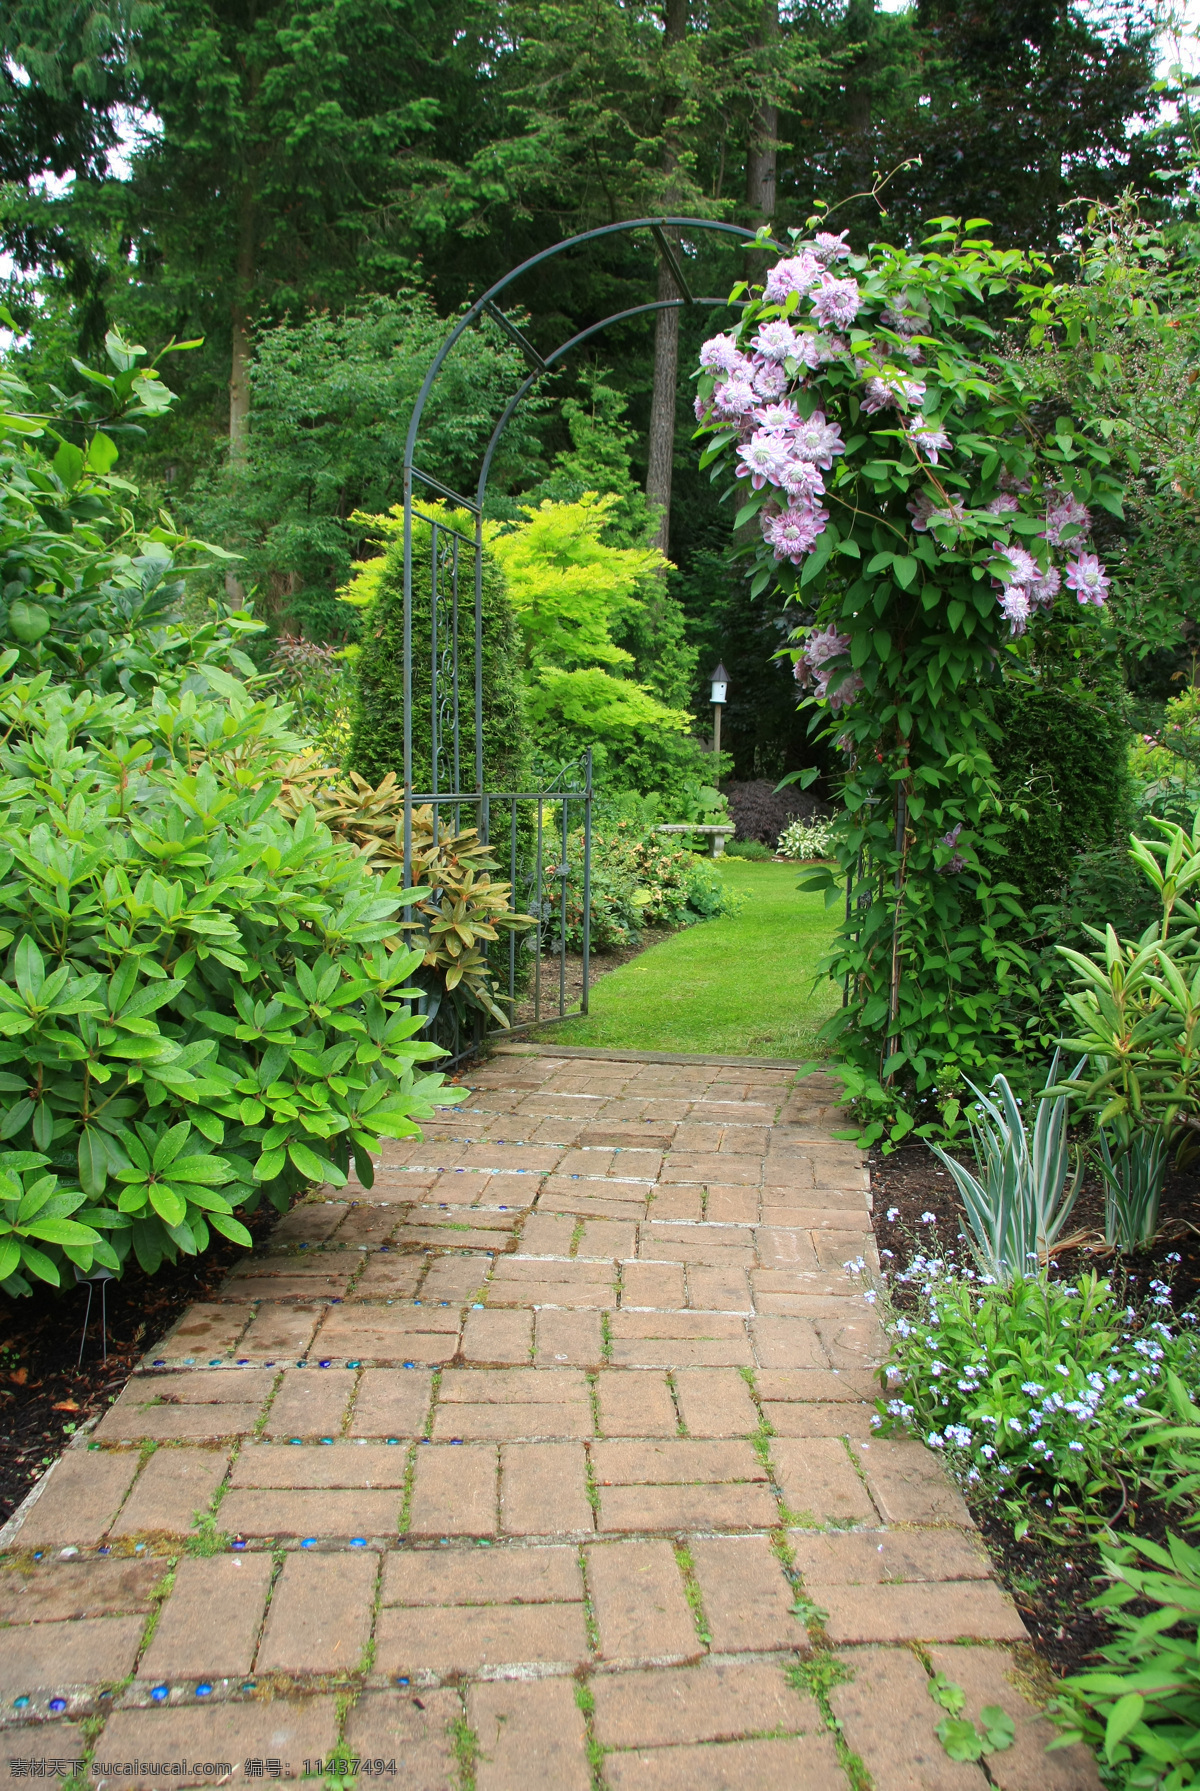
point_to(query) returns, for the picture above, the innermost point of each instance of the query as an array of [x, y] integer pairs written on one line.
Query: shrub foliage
[[1062, 765], [203, 1001], [197, 1007], [637, 881]]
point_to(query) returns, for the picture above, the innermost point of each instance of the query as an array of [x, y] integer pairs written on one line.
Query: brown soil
[[1051, 1581]]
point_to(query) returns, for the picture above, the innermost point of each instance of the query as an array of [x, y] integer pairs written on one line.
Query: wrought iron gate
[[532, 833]]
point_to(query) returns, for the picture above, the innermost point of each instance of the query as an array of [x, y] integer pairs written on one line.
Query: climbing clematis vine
[[899, 482]]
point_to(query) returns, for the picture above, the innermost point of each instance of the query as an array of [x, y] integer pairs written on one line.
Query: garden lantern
[[720, 690]]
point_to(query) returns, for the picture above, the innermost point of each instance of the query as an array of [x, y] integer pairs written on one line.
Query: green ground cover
[[742, 985]]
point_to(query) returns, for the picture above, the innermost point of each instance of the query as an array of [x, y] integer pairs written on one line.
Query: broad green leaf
[[1125, 1713], [102, 453], [960, 1738], [39, 1264], [905, 570], [92, 1157], [999, 1730], [231, 1228], [27, 622], [169, 1205], [210, 1170], [43, 1125], [68, 464], [61, 1231], [945, 1692], [15, 1118], [206, 1198], [169, 1146], [29, 969], [313, 1167]]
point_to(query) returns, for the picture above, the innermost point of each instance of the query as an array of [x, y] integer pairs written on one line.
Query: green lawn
[[739, 986]]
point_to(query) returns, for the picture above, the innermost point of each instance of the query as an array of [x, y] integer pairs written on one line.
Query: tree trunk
[[666, 329], [762, 150], [239, 361], [239, 370], [662, 411]]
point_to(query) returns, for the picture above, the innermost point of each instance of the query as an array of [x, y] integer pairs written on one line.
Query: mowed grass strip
[[739, 986]]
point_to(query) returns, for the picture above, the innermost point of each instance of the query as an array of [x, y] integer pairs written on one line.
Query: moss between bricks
[[817, 1676], [586, 1703], [464, 1744], [691, 1591]]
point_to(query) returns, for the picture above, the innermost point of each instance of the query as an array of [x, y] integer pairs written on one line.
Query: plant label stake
[[103, 1276]]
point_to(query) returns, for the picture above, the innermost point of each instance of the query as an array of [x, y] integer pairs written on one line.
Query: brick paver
[[547, 1458], [640, 1602], [211, 1621], [286, 1731], [173, 1493], [320, 1616], [529, 1735]]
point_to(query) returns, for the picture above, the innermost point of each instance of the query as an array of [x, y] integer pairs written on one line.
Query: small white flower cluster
[[806, 839]]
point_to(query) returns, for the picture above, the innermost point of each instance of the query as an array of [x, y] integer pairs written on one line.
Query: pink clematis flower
[[818, 441], [1088, 579], [836, 303]]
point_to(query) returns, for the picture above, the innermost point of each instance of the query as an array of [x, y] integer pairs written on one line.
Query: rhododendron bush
[[899, 480]]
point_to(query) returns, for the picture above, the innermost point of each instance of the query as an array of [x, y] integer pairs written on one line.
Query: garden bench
[[718, 832]]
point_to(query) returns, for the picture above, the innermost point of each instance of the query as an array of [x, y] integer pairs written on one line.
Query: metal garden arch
[[448, 548]]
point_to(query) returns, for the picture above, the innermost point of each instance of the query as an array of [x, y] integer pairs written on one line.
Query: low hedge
[[637, 881]]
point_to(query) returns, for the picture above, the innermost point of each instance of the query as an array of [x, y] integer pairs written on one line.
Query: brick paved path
[[544, 1463]]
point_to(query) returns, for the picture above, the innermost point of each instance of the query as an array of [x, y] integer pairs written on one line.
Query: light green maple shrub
[[573, 593]]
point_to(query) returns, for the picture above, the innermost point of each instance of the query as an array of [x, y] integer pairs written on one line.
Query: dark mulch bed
[[1051, 1581], [46, 1392]]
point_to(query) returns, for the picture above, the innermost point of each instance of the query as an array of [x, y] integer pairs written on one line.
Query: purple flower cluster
[[778, 447], [753, 384], [799, 274], [793, 532], [817, 666], [892, 390], [790, 452], [956, 862], [1065, 511], [827, 248], [925, 513], [1024, 586], [836, 303], [931, 443]]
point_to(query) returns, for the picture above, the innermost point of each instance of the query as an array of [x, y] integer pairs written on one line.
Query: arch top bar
[[550, 366], [486, 302]]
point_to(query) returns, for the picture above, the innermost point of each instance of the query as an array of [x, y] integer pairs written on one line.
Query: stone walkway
[[545, 1462]]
